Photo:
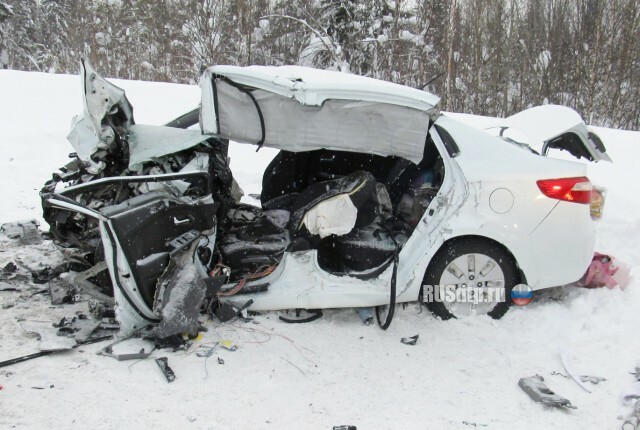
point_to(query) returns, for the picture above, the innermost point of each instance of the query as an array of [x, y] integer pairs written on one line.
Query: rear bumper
[[559, 250]]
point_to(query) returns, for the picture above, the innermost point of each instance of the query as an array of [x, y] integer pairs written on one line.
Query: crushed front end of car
[[143, 199]]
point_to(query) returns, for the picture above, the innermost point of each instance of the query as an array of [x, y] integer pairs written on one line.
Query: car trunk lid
[[554, 127]]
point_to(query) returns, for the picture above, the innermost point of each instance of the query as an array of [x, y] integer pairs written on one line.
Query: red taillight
[[577, 190]]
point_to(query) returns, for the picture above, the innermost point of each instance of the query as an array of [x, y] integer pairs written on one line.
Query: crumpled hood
[[106, 112]]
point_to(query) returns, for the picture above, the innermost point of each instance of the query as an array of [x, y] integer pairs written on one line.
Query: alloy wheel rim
[[475, 282]]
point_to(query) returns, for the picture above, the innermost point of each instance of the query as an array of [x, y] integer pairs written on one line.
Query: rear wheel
[[470, 276]]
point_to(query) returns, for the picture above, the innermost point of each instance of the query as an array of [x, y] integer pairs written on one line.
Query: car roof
[[313, 86]]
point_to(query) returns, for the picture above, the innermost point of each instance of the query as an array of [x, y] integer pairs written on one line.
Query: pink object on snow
[[605, 271]]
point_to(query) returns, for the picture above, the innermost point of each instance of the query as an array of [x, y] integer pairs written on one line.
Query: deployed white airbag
[[336, 215]]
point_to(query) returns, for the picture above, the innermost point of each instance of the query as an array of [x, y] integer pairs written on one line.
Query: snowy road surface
[[462, 374]]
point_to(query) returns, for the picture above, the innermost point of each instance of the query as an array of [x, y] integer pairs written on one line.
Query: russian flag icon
[[521, 295]]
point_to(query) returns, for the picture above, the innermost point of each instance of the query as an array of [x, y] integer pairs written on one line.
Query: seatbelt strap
[[392, 293]]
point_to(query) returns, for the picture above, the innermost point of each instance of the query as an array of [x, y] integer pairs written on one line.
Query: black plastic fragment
[[163, 364], [43, 353], [412, 340], [212, 285], [10, 267], [226, 311]]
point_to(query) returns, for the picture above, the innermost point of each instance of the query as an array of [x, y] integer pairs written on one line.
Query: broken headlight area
[[116, 160]]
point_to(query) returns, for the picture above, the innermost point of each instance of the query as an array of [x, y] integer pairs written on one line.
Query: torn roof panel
[[301, 109], [313, 86]]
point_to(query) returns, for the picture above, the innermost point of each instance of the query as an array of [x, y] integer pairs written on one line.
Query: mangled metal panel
[[150, 142], [535, 388], [105, 108]]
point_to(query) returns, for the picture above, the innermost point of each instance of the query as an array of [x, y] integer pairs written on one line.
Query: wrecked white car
[[374, 196]]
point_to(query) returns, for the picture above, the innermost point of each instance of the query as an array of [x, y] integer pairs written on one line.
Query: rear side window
[[597, 142], [452, 147]]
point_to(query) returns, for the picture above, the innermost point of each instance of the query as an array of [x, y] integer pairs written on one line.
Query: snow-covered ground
[[462, 374]]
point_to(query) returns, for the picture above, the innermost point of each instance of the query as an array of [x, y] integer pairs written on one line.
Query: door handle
[[177, 221]]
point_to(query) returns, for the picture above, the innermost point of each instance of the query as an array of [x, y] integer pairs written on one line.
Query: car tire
[[486, 253]]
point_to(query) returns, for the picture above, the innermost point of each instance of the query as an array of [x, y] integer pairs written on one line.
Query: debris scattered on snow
[[584, 378], [366, 315], [565, 363], [61, 294], [636, 373], [467, 423], [43, 353], [80, 328], [206, 351], [163, 364], [535, 388], [633, 420], [25, 231], [139, 354], [595, 380], [228, 345], [81, 281], [412, 340], [7, 287], [632, 392], [48, 335], [10, 267], [10, 272]]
